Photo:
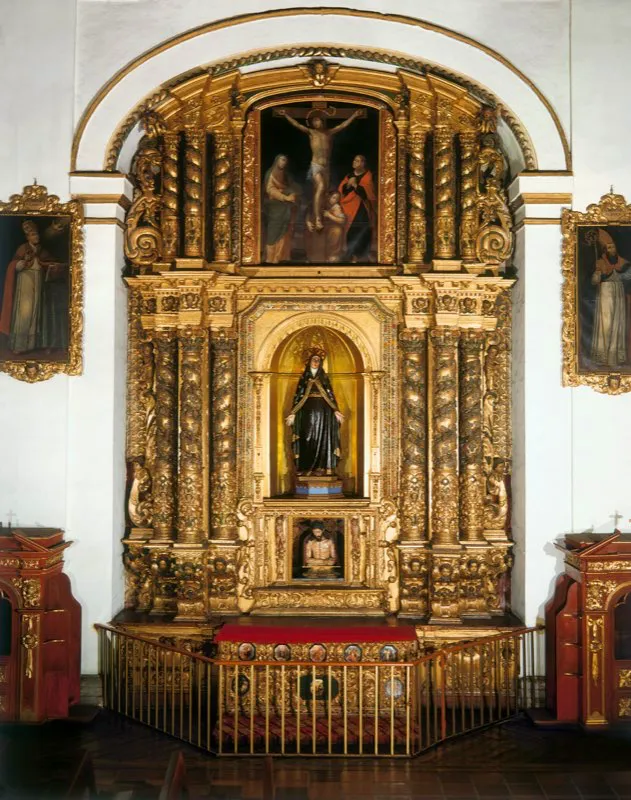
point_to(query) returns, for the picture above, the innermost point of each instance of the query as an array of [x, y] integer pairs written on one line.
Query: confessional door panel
[[8, 658], [621, 660]]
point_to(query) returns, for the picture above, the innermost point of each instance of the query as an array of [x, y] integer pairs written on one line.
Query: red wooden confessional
[[588, 632], [40, 627]]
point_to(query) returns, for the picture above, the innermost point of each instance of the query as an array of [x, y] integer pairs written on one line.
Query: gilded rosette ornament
[[471, 465], [170, 195], [165, 349], [224, 457], [193, 159], [445, 436], [413, 436], [190, 527]]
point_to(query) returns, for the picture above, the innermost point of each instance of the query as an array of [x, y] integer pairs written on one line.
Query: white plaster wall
[[601, 120], [37, 48], [532, 34], [63, 441]]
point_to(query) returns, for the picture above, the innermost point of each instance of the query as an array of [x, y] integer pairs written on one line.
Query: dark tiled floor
[[514, 760]]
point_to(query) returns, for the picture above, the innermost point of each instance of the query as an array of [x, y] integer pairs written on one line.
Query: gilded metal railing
[[335, 708]]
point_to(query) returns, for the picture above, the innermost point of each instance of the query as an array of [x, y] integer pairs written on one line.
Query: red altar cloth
[[294, 634]]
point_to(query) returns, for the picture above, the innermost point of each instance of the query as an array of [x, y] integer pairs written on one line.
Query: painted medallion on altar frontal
[[319, 183], [40, 286], [318, 550]]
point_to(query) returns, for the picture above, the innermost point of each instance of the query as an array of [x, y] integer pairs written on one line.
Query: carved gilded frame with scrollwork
[[35, 203], [610, 212]]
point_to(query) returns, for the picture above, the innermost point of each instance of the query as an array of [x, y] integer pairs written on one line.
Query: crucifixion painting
[[320, 171]]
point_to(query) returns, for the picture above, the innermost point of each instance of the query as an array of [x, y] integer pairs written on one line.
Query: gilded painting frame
[[609, 220], [386, 177], [37, 211]]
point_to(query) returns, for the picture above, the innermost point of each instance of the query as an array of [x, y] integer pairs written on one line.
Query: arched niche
[[346, 369]]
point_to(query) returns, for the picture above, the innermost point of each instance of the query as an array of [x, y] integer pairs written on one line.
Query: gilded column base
[[221, 572], [161, 563], [191, 585], [414, 572], [444, 591], [446, 265]]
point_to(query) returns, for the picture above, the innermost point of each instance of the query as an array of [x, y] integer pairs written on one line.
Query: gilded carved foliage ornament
[[143, 237], [67, 220], [611, 210]]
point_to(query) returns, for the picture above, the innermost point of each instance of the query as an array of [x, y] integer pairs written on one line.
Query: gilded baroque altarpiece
[[384, 250]]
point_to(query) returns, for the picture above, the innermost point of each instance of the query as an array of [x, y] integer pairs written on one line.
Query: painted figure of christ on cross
[[321, 141]]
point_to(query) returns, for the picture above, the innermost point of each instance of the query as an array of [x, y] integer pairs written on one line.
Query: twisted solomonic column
[[413, 436], [165, 464], [222, 203], [190, 516], [469, 152], [223, 515], [472, 479], [417, 222], [193, 159], [444, 195], [170, 194], [445, 436]]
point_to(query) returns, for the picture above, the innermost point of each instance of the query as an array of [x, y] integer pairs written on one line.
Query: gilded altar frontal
[[318, 268]]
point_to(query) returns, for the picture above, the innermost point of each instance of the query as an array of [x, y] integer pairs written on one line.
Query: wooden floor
[[514, 760]]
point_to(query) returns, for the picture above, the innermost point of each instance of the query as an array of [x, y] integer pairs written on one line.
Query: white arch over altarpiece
[[226, 39]]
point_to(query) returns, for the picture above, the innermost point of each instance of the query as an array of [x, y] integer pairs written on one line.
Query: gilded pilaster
[[444, 194], [471, 462], [413, 436], [222, 217], [469, 155], [445, 436], [190, 510], [165, 349], [224, 460], [170, 194], [193, 157], [417, 222]]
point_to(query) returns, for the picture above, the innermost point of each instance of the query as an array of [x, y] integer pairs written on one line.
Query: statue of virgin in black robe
[[315, 419]]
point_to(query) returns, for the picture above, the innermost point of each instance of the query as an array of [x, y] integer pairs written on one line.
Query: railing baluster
[[282, 709], [392, 710], [220, 695], [267, 709], [314, 704], [361, 710], [236, 694], [329, 708], [376, 728], [299, 704]]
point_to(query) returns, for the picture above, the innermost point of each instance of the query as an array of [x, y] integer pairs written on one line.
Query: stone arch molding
[[303, 27], [324, 319]]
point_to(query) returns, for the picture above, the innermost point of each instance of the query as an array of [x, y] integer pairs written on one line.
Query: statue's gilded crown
[[313, 351]]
